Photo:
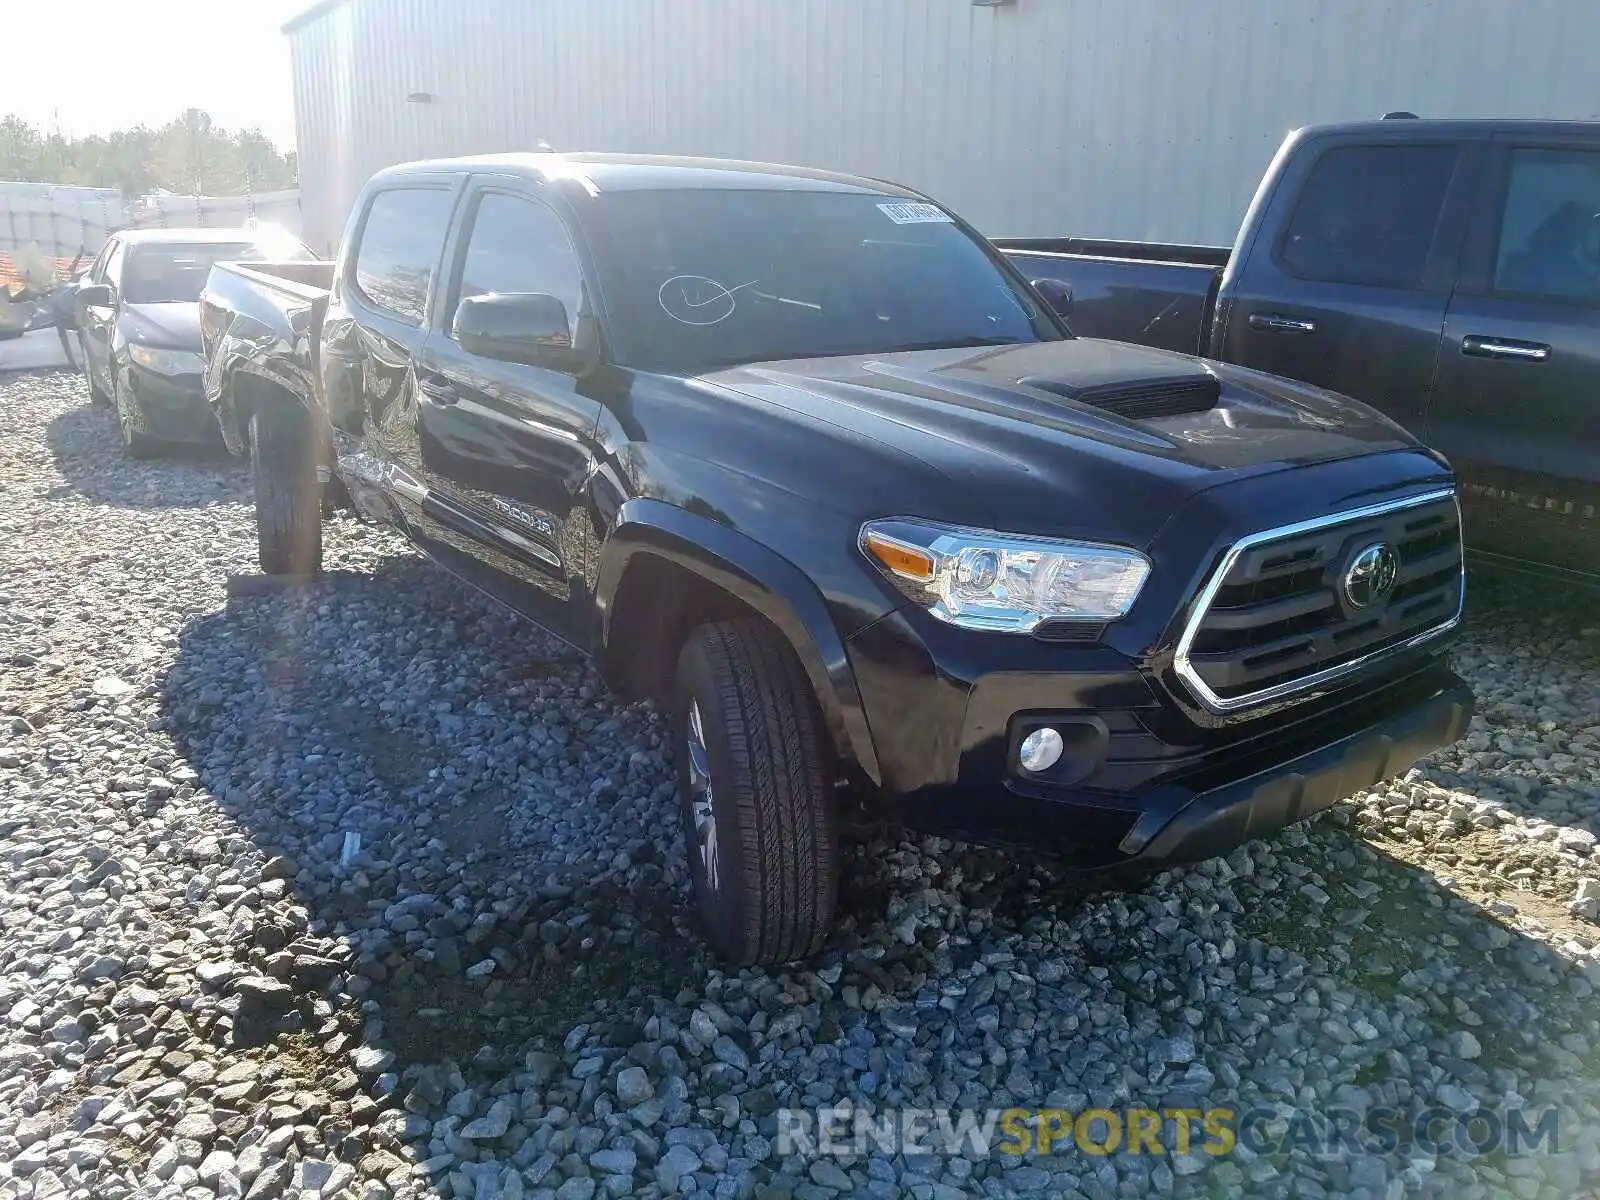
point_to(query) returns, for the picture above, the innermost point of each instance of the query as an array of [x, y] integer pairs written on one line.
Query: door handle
[[1479, 346], [440, 391], [1278, 323]]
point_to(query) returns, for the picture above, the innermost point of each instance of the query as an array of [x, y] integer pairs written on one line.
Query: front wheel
[[288, 496], [755, 777], [135, 441]]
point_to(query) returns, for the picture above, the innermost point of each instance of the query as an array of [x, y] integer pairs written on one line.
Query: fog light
[[1041, 750]]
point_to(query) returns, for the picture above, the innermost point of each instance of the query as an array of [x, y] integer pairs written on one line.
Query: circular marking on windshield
[[697, 300]]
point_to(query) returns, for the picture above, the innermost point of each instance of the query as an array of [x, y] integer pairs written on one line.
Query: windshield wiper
[[965, 343], [745, 360]]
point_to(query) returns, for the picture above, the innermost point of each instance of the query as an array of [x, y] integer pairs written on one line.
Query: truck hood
[[1019, 441]]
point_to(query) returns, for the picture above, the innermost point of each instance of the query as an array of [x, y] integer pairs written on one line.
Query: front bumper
[[1216, 821], [1140, 783], [171, 408]]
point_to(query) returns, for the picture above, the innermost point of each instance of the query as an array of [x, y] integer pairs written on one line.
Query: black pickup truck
[[1445, 272], [803, 457]]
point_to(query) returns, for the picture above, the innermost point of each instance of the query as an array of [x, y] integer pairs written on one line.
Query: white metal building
[[1103, 118]]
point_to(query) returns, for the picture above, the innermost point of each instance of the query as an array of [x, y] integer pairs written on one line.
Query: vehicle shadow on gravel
[[518, 899], [89, 454], [468, 934]]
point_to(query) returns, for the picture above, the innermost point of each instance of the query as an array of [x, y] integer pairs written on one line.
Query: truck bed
[[309, 279], [261, 320]]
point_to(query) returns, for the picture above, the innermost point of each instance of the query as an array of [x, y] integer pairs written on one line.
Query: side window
[[111, 270], [97, 269], [520, 245], [400, 244], [1550, 226], [1368, 214]]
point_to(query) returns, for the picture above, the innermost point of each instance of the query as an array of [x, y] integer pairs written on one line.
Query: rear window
[[400, 247], [1368, 214]]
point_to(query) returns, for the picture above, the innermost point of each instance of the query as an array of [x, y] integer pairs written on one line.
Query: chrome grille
[[1276, 617]]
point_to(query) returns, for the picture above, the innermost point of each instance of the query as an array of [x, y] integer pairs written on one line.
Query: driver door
[[507, 448], [1519, 371]]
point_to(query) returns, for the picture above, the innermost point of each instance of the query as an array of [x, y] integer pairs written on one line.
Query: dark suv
[[804, 457]]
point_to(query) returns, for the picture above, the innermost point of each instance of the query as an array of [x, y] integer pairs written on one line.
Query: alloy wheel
[[701, 800], [124, 414]]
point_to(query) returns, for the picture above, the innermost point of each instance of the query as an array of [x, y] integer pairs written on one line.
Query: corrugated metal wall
[[1111, 118]]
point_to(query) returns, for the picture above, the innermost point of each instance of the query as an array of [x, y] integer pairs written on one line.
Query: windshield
[[176, 273], [699, 279]]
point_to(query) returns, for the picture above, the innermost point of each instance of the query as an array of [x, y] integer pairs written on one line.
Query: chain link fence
[[47, 231], [46, 228]]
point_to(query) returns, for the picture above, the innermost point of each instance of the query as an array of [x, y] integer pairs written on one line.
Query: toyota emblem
[[1371, 575]]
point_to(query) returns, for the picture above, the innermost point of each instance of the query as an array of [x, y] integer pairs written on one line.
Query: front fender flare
[[245, 351], [762, 580], [237, 369]]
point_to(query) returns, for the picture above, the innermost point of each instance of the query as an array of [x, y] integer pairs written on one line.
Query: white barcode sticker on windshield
[[914, 212]]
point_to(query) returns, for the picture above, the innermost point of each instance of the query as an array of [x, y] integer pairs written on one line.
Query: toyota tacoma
[[806, 459]]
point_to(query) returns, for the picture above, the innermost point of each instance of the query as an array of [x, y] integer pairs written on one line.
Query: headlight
[[167, 362], [982, 580]]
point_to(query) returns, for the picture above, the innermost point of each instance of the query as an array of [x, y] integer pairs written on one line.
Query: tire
[[755, 784], [135, 442], [288, 497], [96, 396]]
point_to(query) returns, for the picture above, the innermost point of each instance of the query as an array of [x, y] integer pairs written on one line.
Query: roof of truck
[[597, 173], [1403, 126]]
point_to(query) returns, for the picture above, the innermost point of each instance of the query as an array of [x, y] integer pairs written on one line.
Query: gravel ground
[[497, 994]]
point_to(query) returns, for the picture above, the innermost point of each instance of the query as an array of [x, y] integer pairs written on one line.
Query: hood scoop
[[1138, 400]]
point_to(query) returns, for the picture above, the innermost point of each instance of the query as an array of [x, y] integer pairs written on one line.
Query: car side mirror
[[1057, 293], [520, 327], [95, 295]]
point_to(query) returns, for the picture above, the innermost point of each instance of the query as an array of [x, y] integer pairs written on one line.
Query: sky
[[93, 66]]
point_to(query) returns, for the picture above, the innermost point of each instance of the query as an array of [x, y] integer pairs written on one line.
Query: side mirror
[[95, 295], [1057, 293], [521, 327]]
